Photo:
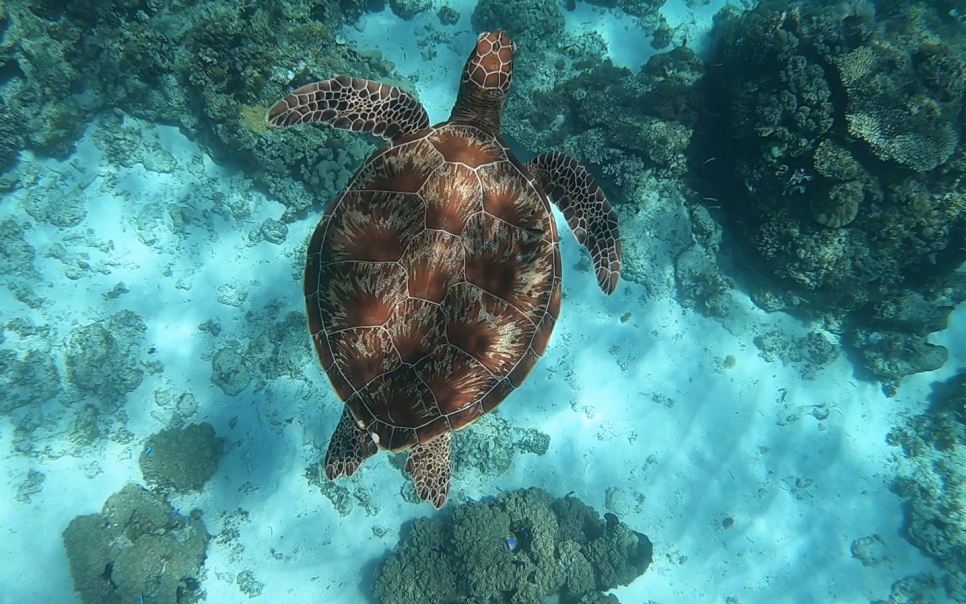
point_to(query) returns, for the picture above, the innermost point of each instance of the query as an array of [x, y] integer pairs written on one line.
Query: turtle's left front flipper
[[352, 104], [594, 223]]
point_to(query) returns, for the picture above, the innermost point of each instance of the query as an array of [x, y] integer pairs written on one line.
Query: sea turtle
[[433, 280]]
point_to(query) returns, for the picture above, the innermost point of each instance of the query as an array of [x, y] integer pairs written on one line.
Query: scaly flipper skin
[[352, 104], [429, 466], [594, 223], [349, 447]]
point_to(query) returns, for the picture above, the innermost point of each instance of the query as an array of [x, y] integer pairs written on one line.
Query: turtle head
[[486, 81], [490, 66]]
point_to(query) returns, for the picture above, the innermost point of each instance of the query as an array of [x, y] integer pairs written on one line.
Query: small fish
[[142, 598], [499, 489], [322, 47], [511, 544], [177, 512], [470, 499], [148, 451]]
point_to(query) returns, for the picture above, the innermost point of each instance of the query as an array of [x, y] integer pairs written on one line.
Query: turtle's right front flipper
[[590, 216], [352, 104]]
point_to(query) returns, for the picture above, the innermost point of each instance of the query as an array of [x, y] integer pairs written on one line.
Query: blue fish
[[499, 489], [511, 544], [148, 451]]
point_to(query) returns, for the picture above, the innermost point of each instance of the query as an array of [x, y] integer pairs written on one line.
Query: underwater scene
[[485, 301]]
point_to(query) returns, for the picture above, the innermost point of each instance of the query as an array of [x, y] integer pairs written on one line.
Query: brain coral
[[839, 206]]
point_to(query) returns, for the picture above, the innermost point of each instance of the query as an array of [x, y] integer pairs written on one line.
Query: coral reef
[[522, 547], [931, 476], [448, 15], [831, 137], [881, 82], [101, 358], [842, 171], [30, 376], [275, 349], [490, 446], [890, 340], [51, 416], [137, 549], [621, 124], [209, 68], [181, 459], [527, 21], [229, 370], [407, 9], [814, 351], [916, 589], [10, 140]]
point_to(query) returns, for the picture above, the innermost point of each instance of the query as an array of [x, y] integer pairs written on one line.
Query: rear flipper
[[349, 446], [594, 223], [352, 104], [429, 466]]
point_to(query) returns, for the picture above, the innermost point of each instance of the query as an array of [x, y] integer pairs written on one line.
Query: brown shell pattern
[[433, 283]]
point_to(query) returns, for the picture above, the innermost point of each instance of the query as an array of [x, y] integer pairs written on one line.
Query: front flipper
[[429, 466], [594, 223], [352, 104], [349, 446]]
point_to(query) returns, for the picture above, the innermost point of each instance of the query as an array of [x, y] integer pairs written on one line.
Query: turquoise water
[[769, 406]]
